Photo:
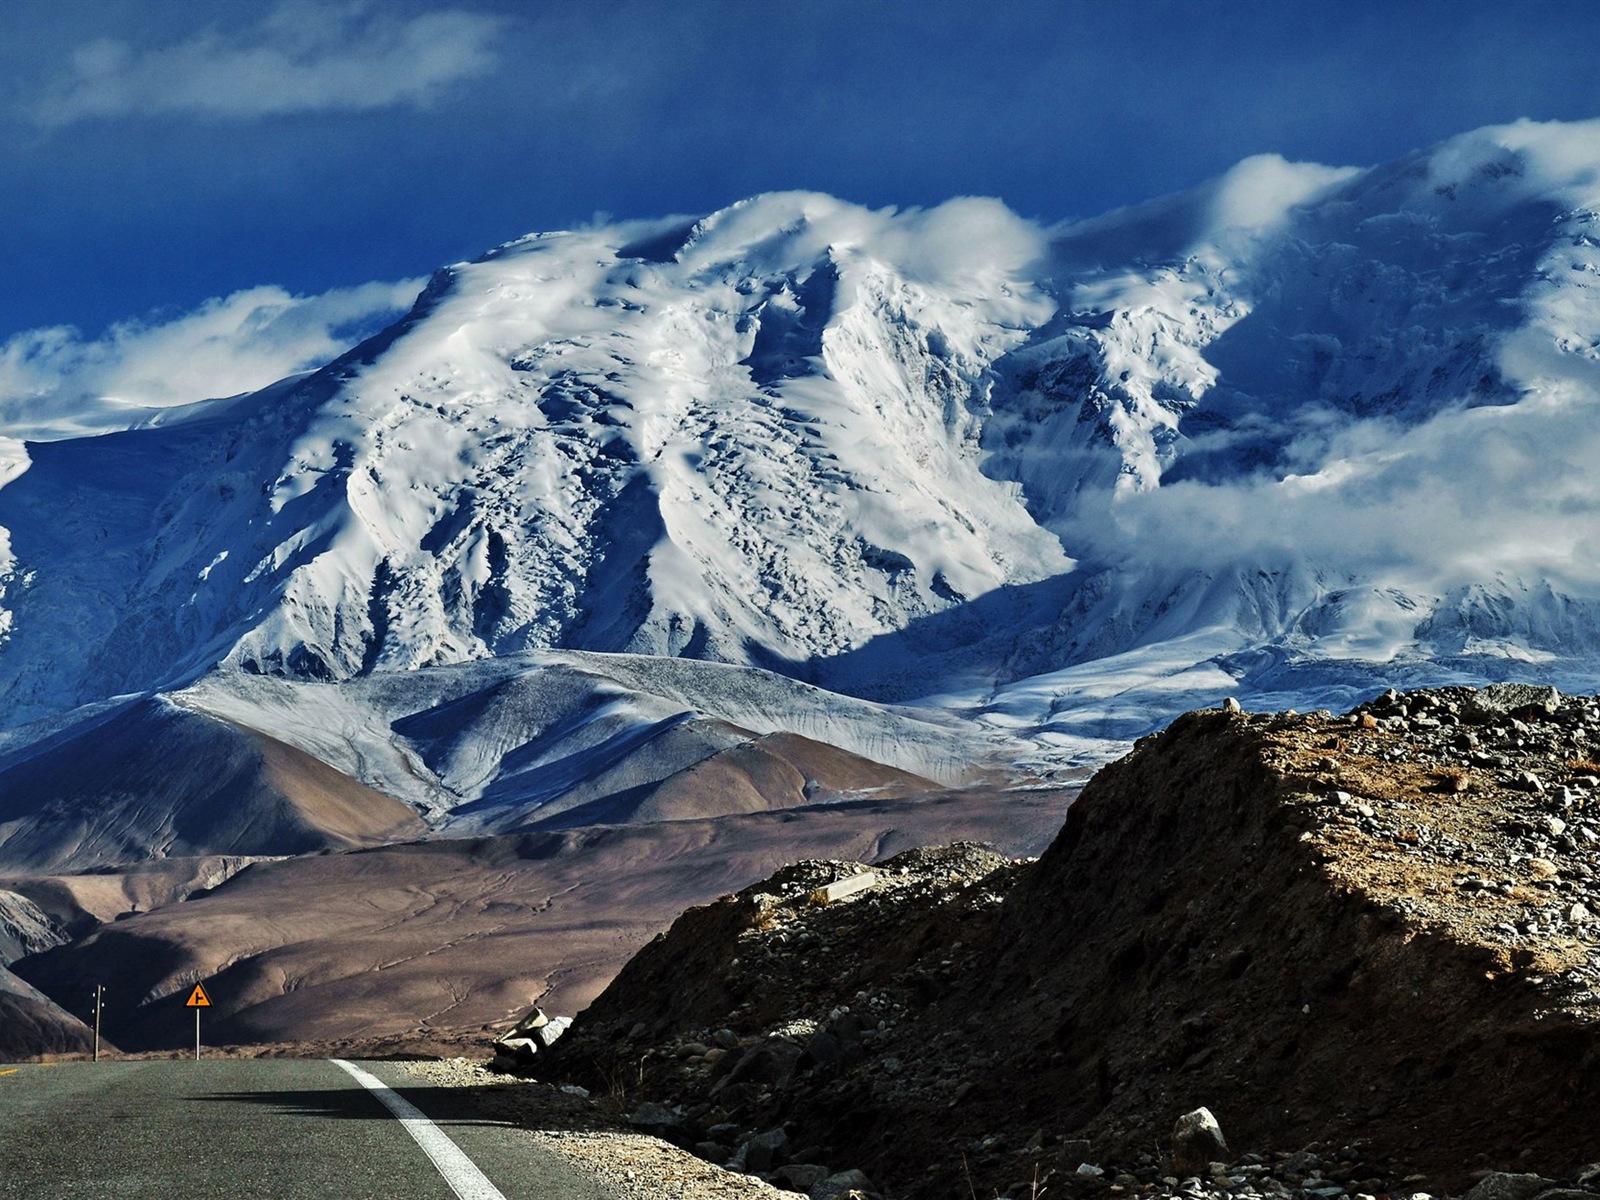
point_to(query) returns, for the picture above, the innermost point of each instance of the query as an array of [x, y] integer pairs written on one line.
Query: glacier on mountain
[[1294, 435]]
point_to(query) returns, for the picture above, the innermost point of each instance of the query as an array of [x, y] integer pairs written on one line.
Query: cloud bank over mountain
[[1430, 422], [55, 382]]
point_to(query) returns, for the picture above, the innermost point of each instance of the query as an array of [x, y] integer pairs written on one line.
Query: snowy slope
[[1293, 434]]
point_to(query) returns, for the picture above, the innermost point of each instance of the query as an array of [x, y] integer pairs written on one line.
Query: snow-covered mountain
[[751, 438], [1291, 435]]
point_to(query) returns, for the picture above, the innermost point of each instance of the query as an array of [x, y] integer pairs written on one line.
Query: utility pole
[[99, 997]]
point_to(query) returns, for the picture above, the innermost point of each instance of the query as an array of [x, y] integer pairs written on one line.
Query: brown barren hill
[[779, 770], [31, 1024], [152, 780], [448, 938], [1373, 932], [74, 904]]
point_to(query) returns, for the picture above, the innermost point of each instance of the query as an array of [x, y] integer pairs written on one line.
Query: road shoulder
[[628, 1164]]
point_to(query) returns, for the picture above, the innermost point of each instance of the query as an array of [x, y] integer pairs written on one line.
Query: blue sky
[[157, 156]]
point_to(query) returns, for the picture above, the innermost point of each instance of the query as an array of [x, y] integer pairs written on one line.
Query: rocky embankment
[[1368, 943]]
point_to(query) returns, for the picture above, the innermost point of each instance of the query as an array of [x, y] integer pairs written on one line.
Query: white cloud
[[956, 242], [1457, 499], [1259, 193], [302, 57], [56, 383], [963, 237]]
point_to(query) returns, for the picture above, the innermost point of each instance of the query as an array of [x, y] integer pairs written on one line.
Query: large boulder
[[1500, 700]]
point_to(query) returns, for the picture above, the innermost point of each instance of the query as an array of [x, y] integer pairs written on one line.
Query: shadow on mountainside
[[1002, 635]]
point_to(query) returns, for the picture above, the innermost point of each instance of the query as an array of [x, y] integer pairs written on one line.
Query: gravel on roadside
[[632, 1165]]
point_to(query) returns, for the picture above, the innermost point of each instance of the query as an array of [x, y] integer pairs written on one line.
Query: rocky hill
[[1366, 942], [34, 1026]]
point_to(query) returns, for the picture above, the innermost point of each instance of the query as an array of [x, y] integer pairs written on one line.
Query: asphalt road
[[230, 1129]]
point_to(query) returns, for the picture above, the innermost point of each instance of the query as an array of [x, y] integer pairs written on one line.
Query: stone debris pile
[[535, 1032]]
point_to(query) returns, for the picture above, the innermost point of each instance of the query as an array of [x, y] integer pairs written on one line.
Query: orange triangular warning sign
[[198, 997]]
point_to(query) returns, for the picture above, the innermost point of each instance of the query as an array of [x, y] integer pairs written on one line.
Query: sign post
[[198, 1000]]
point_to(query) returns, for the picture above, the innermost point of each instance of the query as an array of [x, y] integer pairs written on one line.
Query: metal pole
[[197, 1035], [99, 992]]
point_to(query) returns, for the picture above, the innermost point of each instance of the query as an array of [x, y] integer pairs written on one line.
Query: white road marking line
[[459, 1171]]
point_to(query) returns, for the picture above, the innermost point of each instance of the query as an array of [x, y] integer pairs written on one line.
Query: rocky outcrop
[[25, 928], [1364, 938], [1347, 927]]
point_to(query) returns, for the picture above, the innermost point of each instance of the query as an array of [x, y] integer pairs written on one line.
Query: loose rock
[[1197, 1142]]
